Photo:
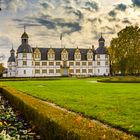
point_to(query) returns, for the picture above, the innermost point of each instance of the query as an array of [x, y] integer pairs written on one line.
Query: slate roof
[[71, 52], [12, 59], [101, 50], [24, 48], [101, 39], [24, 35]]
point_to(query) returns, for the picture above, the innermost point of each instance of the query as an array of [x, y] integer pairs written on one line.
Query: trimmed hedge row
[[57, 124], [120, 80]]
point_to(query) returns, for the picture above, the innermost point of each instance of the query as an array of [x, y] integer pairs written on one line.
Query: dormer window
[[77, 55], [64, 55], [37, 54], [51, 54], [90, 55]]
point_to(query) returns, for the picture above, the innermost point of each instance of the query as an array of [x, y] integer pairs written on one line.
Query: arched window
[[51, 54]]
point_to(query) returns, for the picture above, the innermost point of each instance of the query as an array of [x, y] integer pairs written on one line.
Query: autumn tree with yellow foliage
[[124, 52]]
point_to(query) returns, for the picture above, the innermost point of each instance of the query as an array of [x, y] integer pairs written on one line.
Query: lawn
[[116, 104]]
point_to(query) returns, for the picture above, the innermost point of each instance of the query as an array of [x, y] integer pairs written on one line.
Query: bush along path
[[12, 124]]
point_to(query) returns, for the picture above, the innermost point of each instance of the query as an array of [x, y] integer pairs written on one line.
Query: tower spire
[[24, 28]]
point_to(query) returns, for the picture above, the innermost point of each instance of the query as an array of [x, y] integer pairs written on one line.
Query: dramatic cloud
[[112, 13], [80, 21], [136, 3], [121, 7]]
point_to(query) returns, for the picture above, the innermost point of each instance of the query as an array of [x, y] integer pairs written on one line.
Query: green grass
[[117, 104]]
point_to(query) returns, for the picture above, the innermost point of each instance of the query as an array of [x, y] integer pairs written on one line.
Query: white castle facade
[[53, 62]]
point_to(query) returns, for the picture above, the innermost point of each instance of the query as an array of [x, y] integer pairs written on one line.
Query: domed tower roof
[[24, 35], [101, 39], [24, 47], [12, 57], [101, 49], [12, 50]]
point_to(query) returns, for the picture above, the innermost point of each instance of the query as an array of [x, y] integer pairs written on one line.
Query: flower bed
[[13, 125]]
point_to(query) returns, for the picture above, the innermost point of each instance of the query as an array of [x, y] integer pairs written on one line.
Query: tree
[[1, 69], [125, 51]]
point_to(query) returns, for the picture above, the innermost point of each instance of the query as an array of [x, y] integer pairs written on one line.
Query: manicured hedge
[[58, 124], [122, 79]]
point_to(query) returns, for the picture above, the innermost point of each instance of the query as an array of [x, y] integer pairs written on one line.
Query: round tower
[[102, 59], [24, 57], [12, 64]]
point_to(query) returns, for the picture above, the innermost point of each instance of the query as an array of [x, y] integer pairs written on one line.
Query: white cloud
[[81, 23]]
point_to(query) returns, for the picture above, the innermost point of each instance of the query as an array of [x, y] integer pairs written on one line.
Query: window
[[24, 63], [106, 56], [37, 55], [37, 63], [64, 56], [107, 70], [90, 70], [44, 63], [90, 55], [51, 56], [24, 71], [10, 68], [71, 63], [57, 63], [77, 63], [98, 56], [44, 71], [51, 63], [77, 56], [106, 63], [24, 55], [90, 63], [37, 71], [98, 63], [84, 63], [51, 70], [77, 70], [71, 70], [57, 70], [98, 70], [84, 70]]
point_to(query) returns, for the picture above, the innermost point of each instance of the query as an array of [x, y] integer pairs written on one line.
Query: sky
[[80, 21]]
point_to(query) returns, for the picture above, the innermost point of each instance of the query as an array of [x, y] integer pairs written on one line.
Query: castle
[[52, 62]]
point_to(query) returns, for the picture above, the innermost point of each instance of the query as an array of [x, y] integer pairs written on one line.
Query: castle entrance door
[[64, 69]]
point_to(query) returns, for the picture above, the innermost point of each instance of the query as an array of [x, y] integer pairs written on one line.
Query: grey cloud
[[121, 7], [91, 6], [126, 21], [112, 13], [136, 2]]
